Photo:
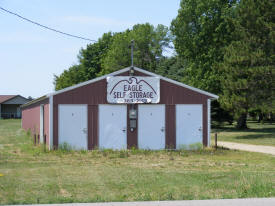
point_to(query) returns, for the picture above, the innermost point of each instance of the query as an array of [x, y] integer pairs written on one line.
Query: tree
[[249, 61], [220, 115], [112, 53], [90, 63], [69, 77], [202, 29], [171, 67], [148, 48], [92, 57]]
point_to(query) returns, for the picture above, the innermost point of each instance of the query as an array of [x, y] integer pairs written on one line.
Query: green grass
[[31, 175], [258, 134]]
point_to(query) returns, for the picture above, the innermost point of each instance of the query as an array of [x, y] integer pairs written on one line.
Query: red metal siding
[[204, 124], [95, 93], [171, 94], [55, 126], [132, 136], [92, 126], [31, 118], [46, 122], [170, 127], [43, 101], [174, 94], [92, 95]]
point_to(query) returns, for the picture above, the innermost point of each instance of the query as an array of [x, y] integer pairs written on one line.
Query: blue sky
[[30, 55]]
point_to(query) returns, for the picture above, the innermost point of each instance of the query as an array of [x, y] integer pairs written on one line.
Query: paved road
[[224, 202], [248, 147]]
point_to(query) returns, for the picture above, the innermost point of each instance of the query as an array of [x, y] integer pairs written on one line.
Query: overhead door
[[72, 126], [151, 127], [188, 125], [113, 126]]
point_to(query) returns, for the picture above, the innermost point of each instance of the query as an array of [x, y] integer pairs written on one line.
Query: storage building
[[127, 108]]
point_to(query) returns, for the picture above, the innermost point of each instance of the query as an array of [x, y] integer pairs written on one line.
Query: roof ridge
[[213, 96]]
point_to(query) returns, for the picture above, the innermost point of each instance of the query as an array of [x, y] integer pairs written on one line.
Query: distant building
[[10, 106]]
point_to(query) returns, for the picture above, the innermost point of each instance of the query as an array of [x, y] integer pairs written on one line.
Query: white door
[[151, 127], [72, 125], [113, 127], [188, 125]]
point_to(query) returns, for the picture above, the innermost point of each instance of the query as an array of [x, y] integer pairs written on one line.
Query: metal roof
[[137, 69], [213, 96], [4, 98], [34, 101]]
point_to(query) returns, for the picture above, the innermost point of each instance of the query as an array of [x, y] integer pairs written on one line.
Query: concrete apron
[[223, 202]]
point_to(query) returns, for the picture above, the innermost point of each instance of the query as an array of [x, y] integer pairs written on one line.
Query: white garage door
[[188, 125], [113, 126], [151, 127], [72, 125]]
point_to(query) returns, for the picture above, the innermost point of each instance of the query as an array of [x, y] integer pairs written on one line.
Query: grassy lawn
[[258, 134], [30, 175]]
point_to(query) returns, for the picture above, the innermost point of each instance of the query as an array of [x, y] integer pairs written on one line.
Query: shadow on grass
[[257, 136], [252, 127]]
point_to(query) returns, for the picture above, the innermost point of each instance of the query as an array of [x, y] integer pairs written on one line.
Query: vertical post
[[132, 53], [209, 123], [132, 74], [51, 123], [216, 140], [34, 139], [44, 142], [41, 130]]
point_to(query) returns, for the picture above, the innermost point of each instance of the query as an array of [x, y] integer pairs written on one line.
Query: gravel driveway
[[248, 147]]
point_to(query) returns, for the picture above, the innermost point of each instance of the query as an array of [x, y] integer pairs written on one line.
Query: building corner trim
[[51, 123], [209, 122]]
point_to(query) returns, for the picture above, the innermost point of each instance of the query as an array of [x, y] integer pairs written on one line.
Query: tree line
[[226, 47]]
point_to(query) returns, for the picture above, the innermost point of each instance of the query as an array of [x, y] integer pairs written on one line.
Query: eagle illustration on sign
[[132, 89]]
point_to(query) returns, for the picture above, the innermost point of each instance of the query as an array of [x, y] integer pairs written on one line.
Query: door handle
[[200, 129], [162, 129], [84, 130], [124, 130]]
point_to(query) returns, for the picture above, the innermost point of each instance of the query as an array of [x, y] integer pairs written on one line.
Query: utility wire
[[45, 27]]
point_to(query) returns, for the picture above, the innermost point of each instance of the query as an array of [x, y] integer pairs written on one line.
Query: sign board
[[132, 89]]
